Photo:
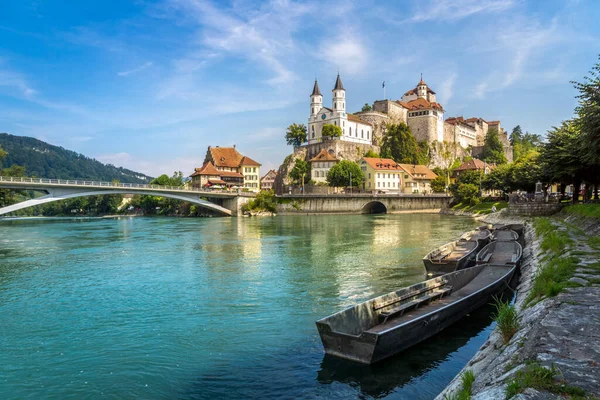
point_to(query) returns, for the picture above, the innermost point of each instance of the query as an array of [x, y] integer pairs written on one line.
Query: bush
[[506, 318], [264, 201], [468, 193]]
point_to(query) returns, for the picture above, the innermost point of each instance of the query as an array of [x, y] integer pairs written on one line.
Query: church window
[[344, 123], [367, 134], [350, 131], [362, 133]]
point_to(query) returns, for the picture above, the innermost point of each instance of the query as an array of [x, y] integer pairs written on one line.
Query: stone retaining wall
[[534, 209]]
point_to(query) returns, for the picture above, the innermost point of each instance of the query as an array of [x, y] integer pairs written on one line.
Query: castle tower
[[339, 96], [422, 89], [316, 100]]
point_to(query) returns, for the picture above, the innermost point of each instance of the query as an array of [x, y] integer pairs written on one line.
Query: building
[[417, 178], [458, 130], [425, 116], [266, 182], [381, 174], [472, 165], [320, 166], [353, 128], [225, 166]]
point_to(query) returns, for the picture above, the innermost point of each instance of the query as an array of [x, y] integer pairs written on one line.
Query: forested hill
[[44, 160]]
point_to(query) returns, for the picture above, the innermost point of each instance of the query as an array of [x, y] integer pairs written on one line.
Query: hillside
[[44, 160]]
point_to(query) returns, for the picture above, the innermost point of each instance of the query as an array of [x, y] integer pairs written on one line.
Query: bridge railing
[[73, 182]]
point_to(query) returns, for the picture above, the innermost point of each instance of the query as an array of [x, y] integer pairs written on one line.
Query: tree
[[467, 194], [301, 171], [526, 171], [500, 178], [331, 131], [366, 108], [516, 135], [493, 151], [438, 184], [400, 145], [588, 120], [371, 154], [339, 175], [296, 134]]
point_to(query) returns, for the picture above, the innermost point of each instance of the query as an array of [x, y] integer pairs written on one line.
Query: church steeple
[[422, 88], [316, 100], [316, 91], [339, 96]]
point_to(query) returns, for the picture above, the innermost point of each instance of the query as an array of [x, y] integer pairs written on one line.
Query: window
[[378, 183], [369, 184], [350, 131], [362, 133], [344, 123], [369, 175], [367, 134], [388, 184], [388, 176], [335, 123]]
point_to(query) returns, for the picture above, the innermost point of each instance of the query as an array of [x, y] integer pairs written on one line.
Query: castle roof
[[225, 156], [323, 156], [316, 91], [423, 104], [338, 84], [248, 161], [494, 123], [418, 171], [382, 164], [414, 91], [355, 118], [207, 169]]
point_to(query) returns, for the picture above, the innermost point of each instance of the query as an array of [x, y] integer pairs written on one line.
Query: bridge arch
[[57, 195], [374, 207]]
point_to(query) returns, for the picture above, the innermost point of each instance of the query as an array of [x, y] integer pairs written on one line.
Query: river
[[213, 308]]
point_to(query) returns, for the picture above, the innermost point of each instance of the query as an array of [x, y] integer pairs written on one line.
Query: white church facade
[[353, 128]]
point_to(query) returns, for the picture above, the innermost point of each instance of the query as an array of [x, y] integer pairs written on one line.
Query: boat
[[500, 253], [386, 325], [451, 256], [505, 235], [481, 235]]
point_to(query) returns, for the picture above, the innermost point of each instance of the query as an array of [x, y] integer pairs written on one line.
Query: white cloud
[[136, 70], [447, 89], [15, 82], [448, 10], [346, 53]]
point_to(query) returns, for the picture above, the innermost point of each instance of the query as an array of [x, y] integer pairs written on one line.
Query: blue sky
[[150, 84]]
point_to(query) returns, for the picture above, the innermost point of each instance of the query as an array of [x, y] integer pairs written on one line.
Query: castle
[[418, 108]]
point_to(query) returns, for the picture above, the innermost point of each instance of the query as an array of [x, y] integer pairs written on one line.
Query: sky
[[148, 85]]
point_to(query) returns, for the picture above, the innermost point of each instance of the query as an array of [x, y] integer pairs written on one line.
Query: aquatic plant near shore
[[506, 318], [466, 387]]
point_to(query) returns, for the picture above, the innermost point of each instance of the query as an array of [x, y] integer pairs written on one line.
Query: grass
[[553, 275], [586, 210], [466, 387], [481, 208], [506, 319], [594, 242], [540, 378]]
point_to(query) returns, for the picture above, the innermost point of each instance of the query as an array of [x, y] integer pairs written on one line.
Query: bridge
[[224, 202], [361, 203]]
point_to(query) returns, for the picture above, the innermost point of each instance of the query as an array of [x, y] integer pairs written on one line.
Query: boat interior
[[505, 235], [477, 234], [394, 309], [452, 251], [500, 253]]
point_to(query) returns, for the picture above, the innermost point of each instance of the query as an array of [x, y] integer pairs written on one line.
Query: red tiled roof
[[248, 161], [323, 156], [271, 173], [472, 164], [225, 157], [382, 164], [231, 174], [217, 182], [422, 104], [415, 169], [354, 118], [207, 169]]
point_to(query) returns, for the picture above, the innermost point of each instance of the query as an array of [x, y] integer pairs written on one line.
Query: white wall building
[[353, 128]]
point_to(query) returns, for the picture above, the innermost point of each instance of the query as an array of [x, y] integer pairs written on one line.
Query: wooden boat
[[513, 227], [451, 256], [500, 253], [388, 324], [505, 235], [481, 235]]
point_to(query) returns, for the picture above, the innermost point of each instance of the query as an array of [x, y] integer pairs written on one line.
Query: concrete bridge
[[361, 203], [224, 202]]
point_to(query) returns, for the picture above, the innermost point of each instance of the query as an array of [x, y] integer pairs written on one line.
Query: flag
[[383, 84]]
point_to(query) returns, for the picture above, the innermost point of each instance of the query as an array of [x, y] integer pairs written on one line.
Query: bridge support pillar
[[235, 205]]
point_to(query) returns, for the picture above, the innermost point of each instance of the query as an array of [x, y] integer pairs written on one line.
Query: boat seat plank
[[378, 306], [437, 294], [487, 257]]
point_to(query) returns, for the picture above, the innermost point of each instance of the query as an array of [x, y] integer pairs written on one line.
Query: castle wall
[[395, 111], [424, 127], [379, 121], [340, 149]]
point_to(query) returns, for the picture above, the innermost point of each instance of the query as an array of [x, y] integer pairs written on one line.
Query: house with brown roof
[[473, 164], [266, 182], [417, 178], [381, 175], [320, 165], [225, 166]]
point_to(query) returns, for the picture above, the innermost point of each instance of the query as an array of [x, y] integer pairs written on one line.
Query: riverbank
[[556, 350]]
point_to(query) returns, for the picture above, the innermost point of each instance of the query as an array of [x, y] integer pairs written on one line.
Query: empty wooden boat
[[451, 257], [388, 324], [481, 235], [505, 235], [500, 253]]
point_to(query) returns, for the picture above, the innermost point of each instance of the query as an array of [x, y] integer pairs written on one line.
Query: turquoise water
[[212, 308]]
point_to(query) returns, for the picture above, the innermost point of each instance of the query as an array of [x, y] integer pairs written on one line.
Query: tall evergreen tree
[[516, 135], [493, 151], [400, 145]]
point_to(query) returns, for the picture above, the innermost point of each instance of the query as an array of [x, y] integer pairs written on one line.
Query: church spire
[[316, 91], [338, 83]]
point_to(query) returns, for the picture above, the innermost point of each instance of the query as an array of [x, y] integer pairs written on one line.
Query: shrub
[[506, 318], [264, 201]]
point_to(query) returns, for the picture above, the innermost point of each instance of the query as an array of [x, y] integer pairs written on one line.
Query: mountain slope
[[44, 160]]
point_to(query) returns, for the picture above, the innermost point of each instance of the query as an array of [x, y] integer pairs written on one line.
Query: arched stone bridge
[[224, 202], [361, 203]]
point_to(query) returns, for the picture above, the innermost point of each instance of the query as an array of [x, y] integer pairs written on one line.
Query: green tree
[[438, 184], [400, 145], [468, 194], [371, 154], [296, 134], [301, 171], [516, 135], [493, 151], [264, 201], [367, 107], [339, 175], [588, 120], [526, 171], [500, 178], [331, 131]]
